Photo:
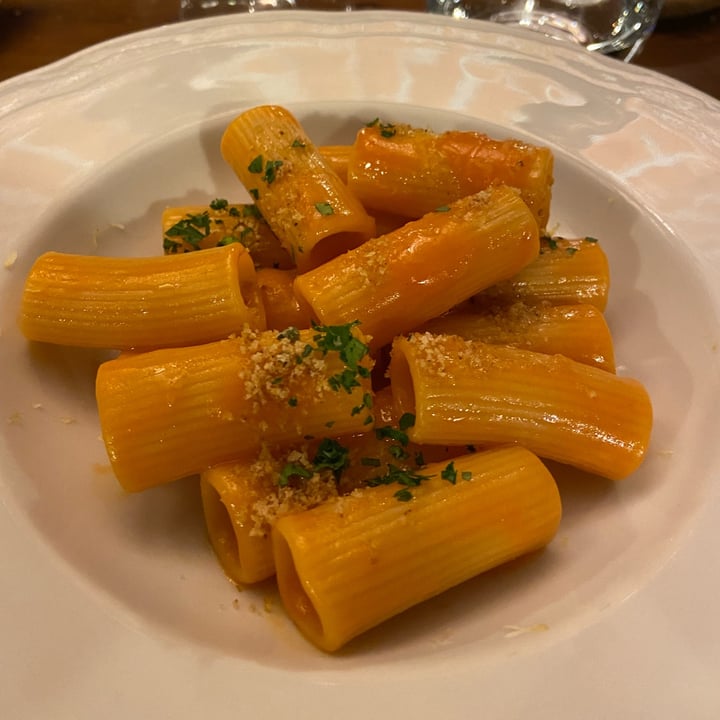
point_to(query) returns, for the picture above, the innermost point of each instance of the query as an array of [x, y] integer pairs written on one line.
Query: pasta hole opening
[[252, 298], [334, 245], [221, 531], [403, 388], [298, 604]]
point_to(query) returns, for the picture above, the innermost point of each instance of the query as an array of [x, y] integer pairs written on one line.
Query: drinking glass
[[612, 27]]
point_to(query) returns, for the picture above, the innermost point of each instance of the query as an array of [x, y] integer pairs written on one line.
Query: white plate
[[113, 606]]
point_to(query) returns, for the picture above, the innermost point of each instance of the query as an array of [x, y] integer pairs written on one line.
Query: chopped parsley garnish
[[256, 165], [590, 239], [248, 211], [466, 475], [396, 474], [297, 143], [324, 208], [271, 168], [254, 193], [331, 455], [387, 130], [219, 204], [191, 229], [367, 402], [388, 432], [293, 401], [442, 208], [291, 333], [449, 473], [228, 240], [571, 250], [291, 470], [340, 339], [398, 452]]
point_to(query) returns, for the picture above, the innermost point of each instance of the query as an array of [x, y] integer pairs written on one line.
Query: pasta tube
[[140, 303], [198, 227], [304, 201], [465, 391], [170, 413], [346, 566], [282, 307], [408, 171], [394, 283], [566, 272], [228, 494], [579, 332], [337, 156]]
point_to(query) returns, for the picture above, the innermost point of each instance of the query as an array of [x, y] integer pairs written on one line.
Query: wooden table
[[36, 32]]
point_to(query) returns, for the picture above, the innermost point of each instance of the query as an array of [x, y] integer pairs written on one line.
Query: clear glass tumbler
[[612, 27], [191, 9]]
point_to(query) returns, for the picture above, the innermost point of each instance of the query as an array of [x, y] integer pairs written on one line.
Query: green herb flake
[[254, 193], [590, 239], [407, 420], [192, 229], [219, 204], [449, 473], [292, 402], [398, 452], [297, 143], [256, 165], [170, 245], [324, 208], [291, 470], [442, 208], [388, 432], [367, 402], [419, 459], [340, 339], [228, 240], [571, 250], [291, 333], [247, 211], [404, 495], [331, 455], [466, 475], [271, 168]]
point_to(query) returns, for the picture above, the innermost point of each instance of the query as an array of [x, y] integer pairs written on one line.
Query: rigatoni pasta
[[465, 391], [303, 199], [411, 171], [566, 272], [394, 283], [141, 303], [171, 413], [578, 332], [350, 564], [381, 440]]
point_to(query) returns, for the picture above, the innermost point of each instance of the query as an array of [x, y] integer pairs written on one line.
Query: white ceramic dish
[[113, 606]]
